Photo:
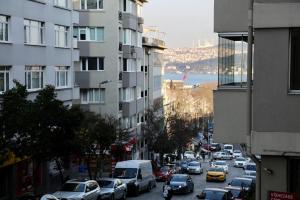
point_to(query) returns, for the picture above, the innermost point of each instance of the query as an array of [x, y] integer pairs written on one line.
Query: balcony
[[230, 16], [153, 42], [140, 20], [129, 21], [132, 107], [230, 98], [131, 79]]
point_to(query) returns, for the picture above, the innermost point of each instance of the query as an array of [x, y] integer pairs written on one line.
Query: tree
[[153, 127]]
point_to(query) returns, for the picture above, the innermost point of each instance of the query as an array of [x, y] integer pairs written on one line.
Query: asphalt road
[[199, 181]]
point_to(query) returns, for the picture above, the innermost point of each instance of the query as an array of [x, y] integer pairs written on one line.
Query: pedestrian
[[167, 191]]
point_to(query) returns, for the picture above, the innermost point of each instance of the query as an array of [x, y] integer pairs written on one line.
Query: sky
[[184, 22]]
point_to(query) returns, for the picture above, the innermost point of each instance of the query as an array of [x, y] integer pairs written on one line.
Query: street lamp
[[102, 83]]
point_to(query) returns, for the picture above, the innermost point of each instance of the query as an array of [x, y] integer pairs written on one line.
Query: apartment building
[[110, 72], [275, 130], [36, 49]]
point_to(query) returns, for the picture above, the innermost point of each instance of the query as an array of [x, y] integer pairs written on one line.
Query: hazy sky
[[183, 21]]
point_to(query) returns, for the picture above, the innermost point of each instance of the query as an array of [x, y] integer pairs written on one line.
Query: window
[[34, 32], [61, 3], [139, 65], [138, 92], [61, 76], [92, 63], [127, 6], [4, 78], [146, 93], [128, 122], [61, 36], [139, 39], [127, 36], [92, 95], [91, 4], [295, 60], [128, 94], [4, 28], [34, 77], [95, 34], [129, 65], [139, 10]]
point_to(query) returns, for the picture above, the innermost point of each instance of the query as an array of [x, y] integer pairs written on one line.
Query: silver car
[[112, 189], [79, 190], [194, 167]]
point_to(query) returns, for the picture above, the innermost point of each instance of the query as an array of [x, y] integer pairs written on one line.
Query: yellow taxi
[[216, 174]]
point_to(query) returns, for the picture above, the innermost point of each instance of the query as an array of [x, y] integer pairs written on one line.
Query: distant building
[[275, 129]]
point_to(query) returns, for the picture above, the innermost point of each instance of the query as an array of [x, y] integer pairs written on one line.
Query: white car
[[250, 167], [194, 168], [226, 155], [221, 164], [217, 155], [189, 155], [79, 190], [240, 162], [237, 153]]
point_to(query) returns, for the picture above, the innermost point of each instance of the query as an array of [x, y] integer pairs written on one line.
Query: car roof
[[242, 178], [80, 181], [233, 188], [223, 161], [215, 189], [108, 179]]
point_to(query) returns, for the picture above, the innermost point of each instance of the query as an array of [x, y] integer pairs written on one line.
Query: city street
[[199, 181]]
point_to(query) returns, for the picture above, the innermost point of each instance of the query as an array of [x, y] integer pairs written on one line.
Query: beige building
[[275, 128]]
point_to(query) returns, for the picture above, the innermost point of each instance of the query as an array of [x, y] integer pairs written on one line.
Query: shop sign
[[282, 196]]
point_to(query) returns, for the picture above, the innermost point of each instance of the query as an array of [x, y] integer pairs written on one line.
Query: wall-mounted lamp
[[268, 171]]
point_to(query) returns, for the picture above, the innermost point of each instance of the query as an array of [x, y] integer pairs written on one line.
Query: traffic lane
[[199, 181]]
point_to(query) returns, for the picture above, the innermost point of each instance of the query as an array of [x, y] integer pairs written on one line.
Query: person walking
[[167, 191]]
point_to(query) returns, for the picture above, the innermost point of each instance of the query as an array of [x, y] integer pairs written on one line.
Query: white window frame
[[61, 70], [87, 31], [5, 27], [91, 96], [5, 71], [62, 3], [85, 5], [130, 65], [30, 27], [87, 64], [59, 32], [29, 70]]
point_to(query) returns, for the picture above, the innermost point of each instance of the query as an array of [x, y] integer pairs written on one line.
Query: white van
[[137, 174], [229, 148]]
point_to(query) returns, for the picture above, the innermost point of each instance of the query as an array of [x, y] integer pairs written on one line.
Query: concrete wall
[[276, 181], [278, 14], [230, 115], [230, 16]]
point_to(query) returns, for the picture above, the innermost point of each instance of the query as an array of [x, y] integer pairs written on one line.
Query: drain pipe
[[249, 99]]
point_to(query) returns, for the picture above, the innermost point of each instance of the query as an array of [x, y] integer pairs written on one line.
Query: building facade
[[114, 72], [37, 49], [275, 130]]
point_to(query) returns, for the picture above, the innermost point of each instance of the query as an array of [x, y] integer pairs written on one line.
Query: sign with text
[[282, 196]]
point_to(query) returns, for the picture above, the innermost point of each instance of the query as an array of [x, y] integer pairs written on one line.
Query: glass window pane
[[92, 63], [35, 79], [62, 78], [28, 80], [91, 96], [92, 34], [83, 4], [57, 78], [100, 3], [83, 64], [295, 59], [7, 81], [84, 96], [97, 95], [91, 4], [100, 34], [2, 81], [101, 63], [82, 33]]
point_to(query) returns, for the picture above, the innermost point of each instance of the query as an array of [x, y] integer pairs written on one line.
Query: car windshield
[[194, 164], [216, 170], [189, 152], [125, 173], [241, 182], [214, 195], [240, 159], [237, 151], [227, 147], [250, 167], [220, 163], [73, 187], [235, 193], [179, 178], [106, 184]]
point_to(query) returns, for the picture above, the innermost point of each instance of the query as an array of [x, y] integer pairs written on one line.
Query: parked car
[[245, 183], [240, 162], [237, 153], [137, 174], [216, 147], [215, 174], [79, 190], [221, 164], [194, 167], [237, 192], [48, 197], [164, 173], [229, 148], [112, 189], [251, 177], [181, 183], [250, 167], [184, 166], [215, 194], [189, 155], [250, 173]]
